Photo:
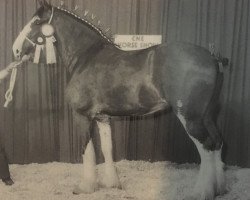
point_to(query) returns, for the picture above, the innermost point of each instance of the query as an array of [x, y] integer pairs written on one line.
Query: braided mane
[[97, 29]]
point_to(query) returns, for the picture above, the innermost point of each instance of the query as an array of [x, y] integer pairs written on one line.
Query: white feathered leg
[[220, 175], [88, 174], [206, 183], [110, 177], [210, 179]]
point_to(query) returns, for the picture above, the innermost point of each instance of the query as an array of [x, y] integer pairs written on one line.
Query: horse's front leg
[[88, 182], [88, 173], [110, 174]]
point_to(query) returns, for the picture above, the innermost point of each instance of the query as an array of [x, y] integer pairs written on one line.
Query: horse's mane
[[89, 24]]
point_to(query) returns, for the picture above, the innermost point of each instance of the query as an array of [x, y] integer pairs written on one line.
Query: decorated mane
[[94, 27]]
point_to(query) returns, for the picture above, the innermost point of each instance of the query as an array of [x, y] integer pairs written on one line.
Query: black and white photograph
[[124, 100]]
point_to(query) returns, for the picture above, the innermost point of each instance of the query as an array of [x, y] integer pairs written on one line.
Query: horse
[[106, 81]]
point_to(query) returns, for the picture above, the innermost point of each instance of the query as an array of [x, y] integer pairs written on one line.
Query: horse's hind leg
[[219, 165], [208, 143], [110, 174], [205, 185]]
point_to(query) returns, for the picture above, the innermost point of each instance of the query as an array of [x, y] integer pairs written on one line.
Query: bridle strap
[[33, 43], [52, 15], [49, 22]]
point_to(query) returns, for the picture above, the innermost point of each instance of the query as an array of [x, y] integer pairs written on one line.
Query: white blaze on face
[[18, 44]]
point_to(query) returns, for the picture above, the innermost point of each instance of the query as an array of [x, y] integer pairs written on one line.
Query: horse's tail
[[221, 62], [213, 108]]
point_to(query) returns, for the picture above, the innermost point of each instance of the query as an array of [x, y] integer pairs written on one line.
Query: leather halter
[[46, 40], [49, 22]]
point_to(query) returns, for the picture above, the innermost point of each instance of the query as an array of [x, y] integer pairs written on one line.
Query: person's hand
[[25, 58], [13, 65]]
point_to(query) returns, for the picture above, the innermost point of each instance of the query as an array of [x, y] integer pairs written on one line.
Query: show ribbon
[[37, 55], [50, 50]]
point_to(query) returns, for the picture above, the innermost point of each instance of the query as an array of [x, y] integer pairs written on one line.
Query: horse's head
[[74, 34], [34, 32]]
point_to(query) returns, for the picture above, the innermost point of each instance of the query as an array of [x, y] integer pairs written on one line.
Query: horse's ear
[[44, 3]]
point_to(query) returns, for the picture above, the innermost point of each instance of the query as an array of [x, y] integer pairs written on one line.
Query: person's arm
[[5, 72]]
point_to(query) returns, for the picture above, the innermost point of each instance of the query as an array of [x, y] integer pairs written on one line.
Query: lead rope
[[8, 94]]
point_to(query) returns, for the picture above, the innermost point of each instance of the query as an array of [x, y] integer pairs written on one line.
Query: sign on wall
[[135, 42]]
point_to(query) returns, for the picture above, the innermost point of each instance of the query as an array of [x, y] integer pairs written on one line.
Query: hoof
[[8, 181], [84, 189], [221, 190], [111, 179], [199, 197], [204, 192], [190, 197], [221, 186], [111, 184]]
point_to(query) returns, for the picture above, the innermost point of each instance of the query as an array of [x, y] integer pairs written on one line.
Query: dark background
[[38, 126]]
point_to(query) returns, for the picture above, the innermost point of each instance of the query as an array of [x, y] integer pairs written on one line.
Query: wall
[[38, 126]]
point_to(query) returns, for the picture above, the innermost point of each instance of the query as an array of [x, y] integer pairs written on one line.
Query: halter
[[51, 16], [47, 32]]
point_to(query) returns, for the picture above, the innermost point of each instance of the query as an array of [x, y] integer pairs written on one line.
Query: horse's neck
[[74, 40]]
